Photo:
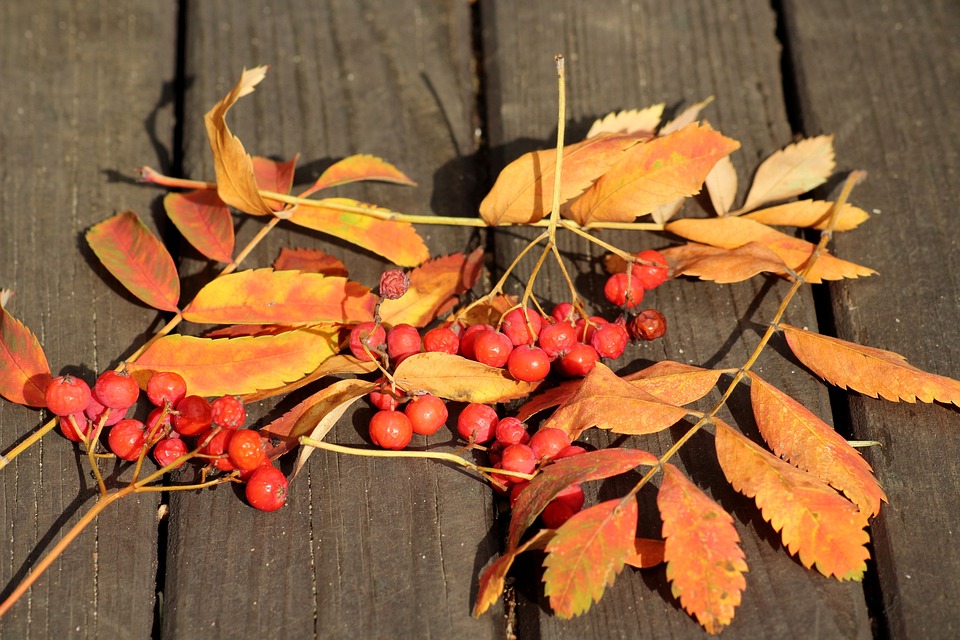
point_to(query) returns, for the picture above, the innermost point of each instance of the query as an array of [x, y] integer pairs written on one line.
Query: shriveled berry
[[370, 334], [245, 449], [651, 276], [67, 394], [528, 364], [228, 412], [492, 348], [511, 431], [169, 449], [266, 489], [393, 284], [515, 326], [427, 413], [441, 340], [519, 458], [127, 438], [579, 361], [548, 442], [468, 337], [477, 422], [558, 338], [116, 389], [623, 290], [194, 415], [166, 387], [402, 340], [610, 340], [391, 429], [648, 325]]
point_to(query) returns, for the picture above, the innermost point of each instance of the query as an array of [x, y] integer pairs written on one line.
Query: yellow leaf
[[455, 378], [641, 121], [810, 213], [795, 169]]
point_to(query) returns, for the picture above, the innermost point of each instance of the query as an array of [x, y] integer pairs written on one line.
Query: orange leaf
[[654, 173], [434, 287], [523, 192], [606, 401], [455, 378], [204, 221], [396, 241], [732, 232], [282, 297], [309, 261], [705, 564], [356, 168], [724, 265], [815, 522], [640, 121], [798, 436], [24, 372], [648, 553], [271, 175], [135, 257], [237, 365], [810, 213], [721, 184], [340, 363], [795, 169], [492, 578], [552, 396], [587, 554], [675, 382], [867, 370], [236, 182]]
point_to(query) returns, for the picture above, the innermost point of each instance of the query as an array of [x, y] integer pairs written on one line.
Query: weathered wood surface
[[392, 549]]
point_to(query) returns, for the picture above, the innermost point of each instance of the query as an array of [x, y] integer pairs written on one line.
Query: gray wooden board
[[365, 548], [85, 99], [885, 79], [629, 55]]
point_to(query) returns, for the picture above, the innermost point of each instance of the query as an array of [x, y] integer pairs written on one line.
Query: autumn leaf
[[647, 553], [523, 192], [455, 378], [492, 578], [309, 261], [356, 168], [283, 297], [396, 241], [606, 401], [236, 181], [204, 221], [814, 214], [237, 366], [552, 396], [434, 287], [733, 232], [793, 170], [554, 478], [24, 372], [135, 257], [674, 382], [487, 311], [721, 184], [815, 522], [653, 173], [868, 370], [686, 117], [271, 175], [798, 436], [338, 364], [637, 121], [705, 564], [724, 265], [587, 554]]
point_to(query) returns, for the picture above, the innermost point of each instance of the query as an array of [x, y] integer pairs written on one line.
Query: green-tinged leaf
[[356, 168], [587, 554], [24, 372], [204, 221], [265, 296], [455, 378], [237, 366], [135, 257], [492, 578]]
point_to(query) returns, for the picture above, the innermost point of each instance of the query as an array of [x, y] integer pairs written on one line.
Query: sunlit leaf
[[724, 265], [339, 364], [24, 372], [810, 213], [434, 287], [795, 169], [674, 382], [492, 578], [271, 175], [455, 378], [356, 168], [641, 121], [204, 221], [647, 553], [310, 261], [686, 117], [721, 184]]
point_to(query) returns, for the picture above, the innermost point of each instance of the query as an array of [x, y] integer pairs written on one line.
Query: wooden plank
[[885, 80], [627, 55], [366, 547], [83, 103]]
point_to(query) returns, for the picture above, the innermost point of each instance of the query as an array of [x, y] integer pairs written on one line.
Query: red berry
[[194, 416], [648, 325], [520, 458], [391, 429], [166, 387], [650, 276], [158, 424], [556, 514], [516, 490], [514, 326], [246, 449], [572, 450], [116, 389], [548, 442], [75, 427], [370, 334], [565, 312], [528, 364], [168, 450], [468, 337], [492, 348], [228, 412], [579, 361], [610, 340], [217, 444], [384, 396], [511, 431], [267, 489], [623, 290], [127, 438], [393, 284], [586, 327], [441, 340], [573, 496], [477, 422], [94, 411], [403, 340], [558, 338], [67, 394], [427, 413]]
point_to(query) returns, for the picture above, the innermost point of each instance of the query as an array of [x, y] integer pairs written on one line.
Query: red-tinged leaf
[[237, 366], [24, 372], [638, 121], [675, 382], [204, 221], [554, 478], [732, 232], [587, 554], [492, 578], [721, 184], [523, 192], [309, 261], [434, 287], [724, 265], [868, 370], [356, 168], [606, 401], [653, 173], [455, 378], [793, 170], [815, 522], [798, 436], [283, 297], [135, 257], [240, 330], [705, 564], [648, 553], [814, 214], [236, 182], [338, 364], [396, 241], [685, 118], [552, 396], [271, 175]]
